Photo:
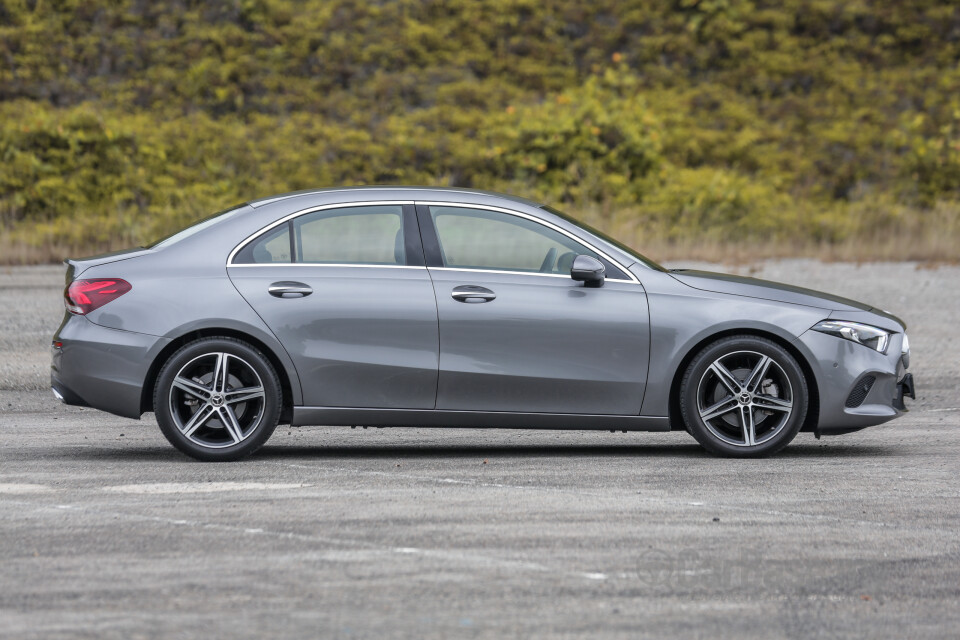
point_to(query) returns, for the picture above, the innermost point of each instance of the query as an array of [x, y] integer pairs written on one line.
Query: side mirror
[[588, 270]]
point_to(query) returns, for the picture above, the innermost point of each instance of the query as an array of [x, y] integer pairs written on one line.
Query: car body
[[412, 306]]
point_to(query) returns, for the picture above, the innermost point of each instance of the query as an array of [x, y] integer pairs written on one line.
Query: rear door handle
[[471, 293], [287, 289]]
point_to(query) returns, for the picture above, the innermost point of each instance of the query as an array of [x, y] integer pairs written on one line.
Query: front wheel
[[743, 396], [217, 399]]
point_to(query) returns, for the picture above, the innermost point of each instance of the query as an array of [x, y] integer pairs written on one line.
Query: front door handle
[[472, 294], [287, 289]]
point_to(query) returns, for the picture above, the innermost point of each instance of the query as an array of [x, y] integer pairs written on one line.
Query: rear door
[[345, 290], [516, 332]]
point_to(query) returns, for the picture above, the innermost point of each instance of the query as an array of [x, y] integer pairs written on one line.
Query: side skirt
[[303, 416]]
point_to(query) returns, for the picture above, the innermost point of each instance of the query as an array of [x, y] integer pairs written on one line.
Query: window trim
[[631, 277], [290, 217], [416, 203], [340, 265]]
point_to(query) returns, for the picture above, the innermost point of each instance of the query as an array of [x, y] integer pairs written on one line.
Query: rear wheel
[[217, 399], [743, 396]]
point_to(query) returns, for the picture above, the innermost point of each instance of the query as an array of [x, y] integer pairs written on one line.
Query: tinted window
[[348, 235], [352, 235], [273, 246], [481, 239]]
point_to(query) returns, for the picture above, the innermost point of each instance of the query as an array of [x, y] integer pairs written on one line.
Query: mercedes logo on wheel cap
[[744, 398]]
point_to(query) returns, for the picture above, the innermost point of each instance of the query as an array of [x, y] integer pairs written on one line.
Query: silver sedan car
[[429, 307]]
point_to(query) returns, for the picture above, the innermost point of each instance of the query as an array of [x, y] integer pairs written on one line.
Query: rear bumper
[[65, 394], [858, 387], [100, 367]]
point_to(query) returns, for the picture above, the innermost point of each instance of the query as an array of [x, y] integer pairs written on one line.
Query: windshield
[[619, 245], [194, 228]]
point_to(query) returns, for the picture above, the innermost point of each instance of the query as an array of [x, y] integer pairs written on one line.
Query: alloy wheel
[[217, 400], [745, 398]]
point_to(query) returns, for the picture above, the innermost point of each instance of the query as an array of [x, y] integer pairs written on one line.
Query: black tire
[[759, 412], [248, 420]]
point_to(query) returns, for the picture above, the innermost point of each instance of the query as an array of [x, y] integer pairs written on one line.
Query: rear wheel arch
[[146, 394], [813, 407]]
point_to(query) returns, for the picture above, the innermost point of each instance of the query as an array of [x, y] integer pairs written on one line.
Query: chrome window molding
[[535, 220], [341, 265], [301, 212], [462, 205], [510, 273]]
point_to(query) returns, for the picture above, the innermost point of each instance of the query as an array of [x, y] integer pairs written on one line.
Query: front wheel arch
[[813, 403], [150, 382]]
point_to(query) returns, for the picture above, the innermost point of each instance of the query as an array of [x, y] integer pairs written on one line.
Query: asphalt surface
[[107, 532]]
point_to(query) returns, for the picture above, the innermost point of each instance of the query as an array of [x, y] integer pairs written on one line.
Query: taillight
[[83, 296]]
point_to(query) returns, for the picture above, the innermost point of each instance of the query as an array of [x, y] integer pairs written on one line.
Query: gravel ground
[[31, 308], [107, 532]]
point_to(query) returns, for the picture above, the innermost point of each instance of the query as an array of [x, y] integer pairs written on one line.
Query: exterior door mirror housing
[[588, 270]]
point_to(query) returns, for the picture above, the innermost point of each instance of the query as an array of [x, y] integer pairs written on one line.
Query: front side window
[[482, 239], [370, 235]]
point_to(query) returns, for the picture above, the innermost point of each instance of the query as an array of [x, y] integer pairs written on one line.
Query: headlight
[[873, 337], [905, 352]]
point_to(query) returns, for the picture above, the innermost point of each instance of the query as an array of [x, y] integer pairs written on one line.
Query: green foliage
[[931, 154], [122, 120], [717, 204], [598, 142]]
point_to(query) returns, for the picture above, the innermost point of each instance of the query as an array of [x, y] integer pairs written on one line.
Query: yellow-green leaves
[[694, 120]]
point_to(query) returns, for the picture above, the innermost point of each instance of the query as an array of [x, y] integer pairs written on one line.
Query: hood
[[766, 290], [842, 308]]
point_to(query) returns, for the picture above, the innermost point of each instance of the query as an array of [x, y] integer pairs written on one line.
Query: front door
[[516, 332], [345, 291]]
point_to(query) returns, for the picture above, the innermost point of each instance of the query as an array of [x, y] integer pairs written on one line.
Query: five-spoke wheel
[[743, 396], [217, 399]]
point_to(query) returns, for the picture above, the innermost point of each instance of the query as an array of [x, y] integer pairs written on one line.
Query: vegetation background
[[693, 127]]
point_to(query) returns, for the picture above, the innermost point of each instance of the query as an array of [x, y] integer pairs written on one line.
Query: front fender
[[683, 320]]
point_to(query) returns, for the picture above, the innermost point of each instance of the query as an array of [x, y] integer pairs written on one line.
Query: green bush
[[711, 120], [719, 205]]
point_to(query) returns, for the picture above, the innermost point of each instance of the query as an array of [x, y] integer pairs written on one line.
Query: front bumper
[[103, 368], [858, 387], [906, 386]]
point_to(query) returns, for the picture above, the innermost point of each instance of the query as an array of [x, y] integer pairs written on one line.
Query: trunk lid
[[76, 266]]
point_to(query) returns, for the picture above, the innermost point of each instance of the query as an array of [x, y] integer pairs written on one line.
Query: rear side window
[[349, 235], [353, 235]]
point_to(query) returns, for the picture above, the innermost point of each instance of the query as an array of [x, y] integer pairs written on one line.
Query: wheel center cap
[[745, 398], [216, 400]]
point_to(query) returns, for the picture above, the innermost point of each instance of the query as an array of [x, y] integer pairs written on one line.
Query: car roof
[[415, 192]]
